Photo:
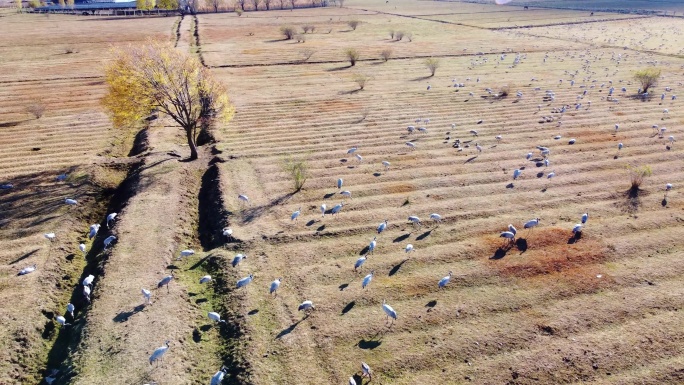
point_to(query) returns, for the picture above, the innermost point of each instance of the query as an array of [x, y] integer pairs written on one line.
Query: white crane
[[238, 258], [352, 150], [382, 226], [359, 157], [295, 214], [215, 317], [577, 229], [86, 293], [386, 164], [444, 281], [93, 231], [531, 223], [474, 132], [50, 236], [478, 147], [165, 282], [70, 309], [61, 320], [245, 281], [27, 270], [52, 377], [389, 311], [158, 354], [227, 232], [409, 248], [82, 247], [411, 145], [528, 156], [110, 219], [671, 139], [337, 208], [668, 187], [572, 141], [512, 229], [498, 138], [205, 279], [340, 182], [366, 371], [360, 262], [547, 162], [108, 241], [371, 246], [585, 216], [70, 202], [508, 235], [410, 129], [551, 175], [617, 127], [414, 220], [423, 130], [323, 209], [436, 217], [274, 287], [620, 145], [367, 279], [352, 381], [146, 295], [346, 193], [62, 177], [243, 198], [186, 253], [306, 306], [217, 379], [88, 281], [516, 173]]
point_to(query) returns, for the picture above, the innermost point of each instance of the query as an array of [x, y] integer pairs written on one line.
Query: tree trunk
[[191, 143]]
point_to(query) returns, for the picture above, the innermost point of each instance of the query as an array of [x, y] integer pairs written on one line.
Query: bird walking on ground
[[245, 281], [516, 173], [372, 244], [411, 145], [585, 217], [531, 223], [409, 248], [238, 258], [436, 217], [510, 236], [295, 214], [70, 309], [215, 317], [186, 253], [27, 270], [274, 287], [577, 229], [336, 210], [244, 198], [110, 219], [414, 220], [86, 293], [50, 237], [158, 354], [165, 282], [88, 281], [389, 311], [227, 232], [71, 202], [323, 208], [444, 281], [205, 279], [340, 182], [108, 241], [217, 379], [386, 164], [346, 193], [82, 247], [306, 306], [62, 321], [366, 371], [93, 231], [367, 279], [147, 295], [360, 262], [382, 226]]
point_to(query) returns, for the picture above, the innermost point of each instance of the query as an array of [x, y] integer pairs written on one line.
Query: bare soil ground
[[601, 309]]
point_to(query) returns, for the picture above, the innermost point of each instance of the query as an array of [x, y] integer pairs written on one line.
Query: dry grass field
[[603, 308]]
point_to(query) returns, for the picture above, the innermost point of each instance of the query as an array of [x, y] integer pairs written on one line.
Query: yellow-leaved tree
[[168, 4], [155, 76]]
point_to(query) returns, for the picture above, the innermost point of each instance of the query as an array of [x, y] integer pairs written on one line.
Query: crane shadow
[[310, 223], [320, 228], [343, 286], [424, 235], [200, 262], [327, 196], [290, 328], [125, 315], [470, 159], [396, 267], [348, 307], [30, 253], [521, 244], [368, 344], [364, 250], [431, 304], [253, 312], [402, 237], [252, 213], [500, 253], [575, 238]]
